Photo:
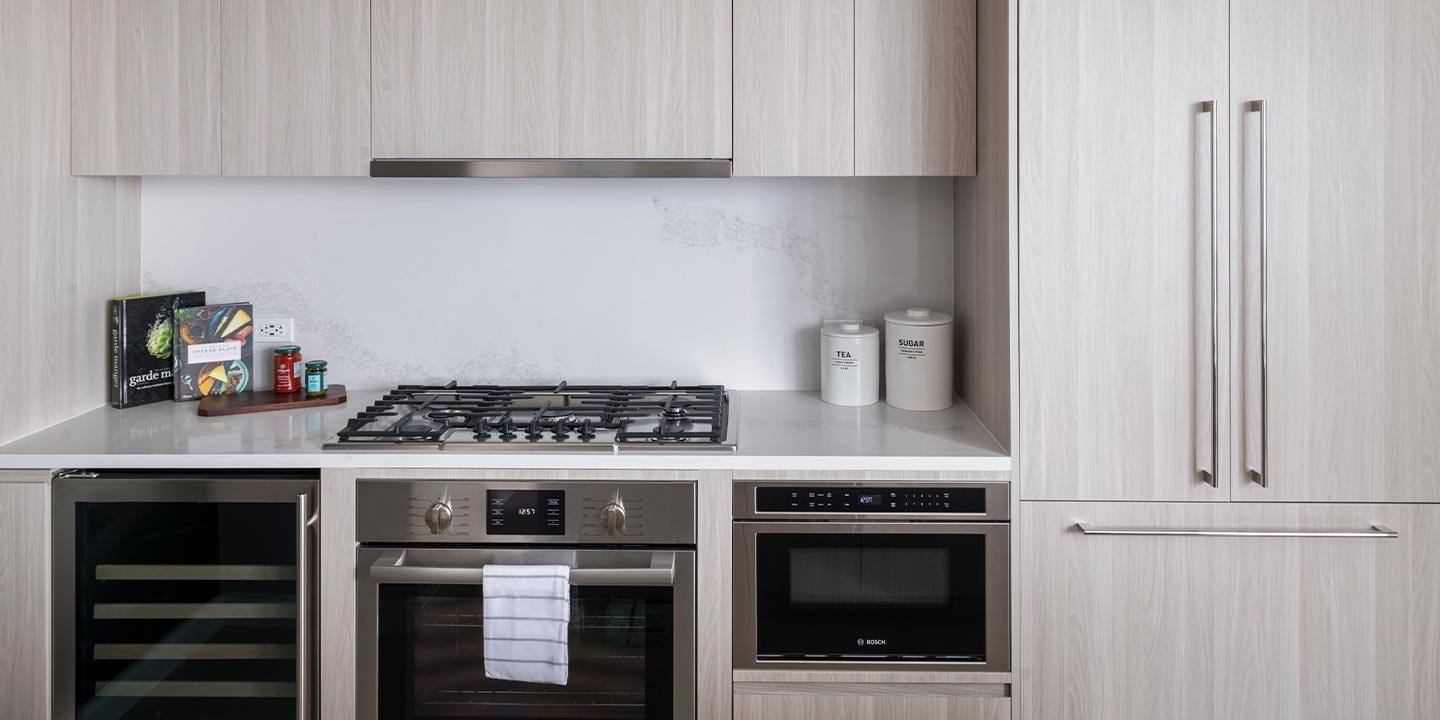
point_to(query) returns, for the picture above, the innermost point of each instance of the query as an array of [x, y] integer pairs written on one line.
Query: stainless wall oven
[[630, 550], [182, 596], [872, 576]]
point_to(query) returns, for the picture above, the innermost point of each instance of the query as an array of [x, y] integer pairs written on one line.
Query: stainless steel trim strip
[[1376, 531], [195, 572], [391, 568], [194, 689], [193, 611], [193, 651], [570, 168], [304, 600], [1212, 475], [1261, 474]]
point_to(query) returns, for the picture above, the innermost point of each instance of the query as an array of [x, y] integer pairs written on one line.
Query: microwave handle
[[391, 568]]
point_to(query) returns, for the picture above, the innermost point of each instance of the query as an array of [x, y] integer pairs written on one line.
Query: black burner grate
[[622, 414]]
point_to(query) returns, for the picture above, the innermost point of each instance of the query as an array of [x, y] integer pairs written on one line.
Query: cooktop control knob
[[612, 516], [438, 517]]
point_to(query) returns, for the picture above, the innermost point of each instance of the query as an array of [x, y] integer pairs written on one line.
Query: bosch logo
[[863, 642]]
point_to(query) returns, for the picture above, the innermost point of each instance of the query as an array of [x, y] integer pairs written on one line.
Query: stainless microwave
[[872, 576]]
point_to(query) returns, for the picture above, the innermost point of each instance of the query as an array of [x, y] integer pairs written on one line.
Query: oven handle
[[391, 568]]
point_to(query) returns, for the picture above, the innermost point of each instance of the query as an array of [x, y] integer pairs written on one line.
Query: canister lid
[[848, 329], [918, 317]]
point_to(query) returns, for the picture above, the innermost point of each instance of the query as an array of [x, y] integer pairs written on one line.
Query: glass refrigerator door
[[185, 610]]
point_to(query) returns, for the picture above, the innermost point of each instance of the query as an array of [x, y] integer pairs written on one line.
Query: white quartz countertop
[[777, 431]]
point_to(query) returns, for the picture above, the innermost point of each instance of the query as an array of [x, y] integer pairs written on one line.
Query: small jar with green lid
[[315, 384]]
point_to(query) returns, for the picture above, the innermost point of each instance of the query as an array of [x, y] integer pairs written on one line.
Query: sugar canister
[[919, 359]]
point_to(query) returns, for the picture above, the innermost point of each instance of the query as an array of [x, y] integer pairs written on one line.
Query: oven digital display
[[525, 512], [938, 499], [870, 500]]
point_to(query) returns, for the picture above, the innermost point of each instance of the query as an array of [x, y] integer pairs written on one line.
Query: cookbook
[[214, 350], [141, 346]]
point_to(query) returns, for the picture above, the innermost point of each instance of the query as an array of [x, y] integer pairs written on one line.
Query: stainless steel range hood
[[430, 168]]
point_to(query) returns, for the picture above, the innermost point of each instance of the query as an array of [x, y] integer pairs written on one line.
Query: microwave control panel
[[910, 500]]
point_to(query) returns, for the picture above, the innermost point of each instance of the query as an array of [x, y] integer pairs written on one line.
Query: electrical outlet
[[274, 330]]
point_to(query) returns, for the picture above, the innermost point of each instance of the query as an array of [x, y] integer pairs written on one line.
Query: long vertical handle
[[1261, 474], [304, 604], [1212, 474]]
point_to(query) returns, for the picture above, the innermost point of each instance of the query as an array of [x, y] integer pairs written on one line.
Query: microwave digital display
[[819, 499], [524, 512]]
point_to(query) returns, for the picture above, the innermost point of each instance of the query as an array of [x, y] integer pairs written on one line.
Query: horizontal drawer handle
[[1376, 531]]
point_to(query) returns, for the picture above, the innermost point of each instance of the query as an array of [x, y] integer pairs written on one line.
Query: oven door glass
[[431, 664], [870, 597]]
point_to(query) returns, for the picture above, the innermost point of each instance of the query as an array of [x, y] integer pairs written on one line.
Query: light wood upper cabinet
[[1353, 179], [296, 97], [914, 87], [1116, 246], [551, 78], [794, 87], [204, 87], [145, 93], [1203, 627]]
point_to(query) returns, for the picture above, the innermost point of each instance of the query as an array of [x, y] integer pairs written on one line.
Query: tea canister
[[919, 359], [849, 364]]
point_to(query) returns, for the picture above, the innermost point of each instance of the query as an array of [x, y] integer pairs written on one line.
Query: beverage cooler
[[184, 596]]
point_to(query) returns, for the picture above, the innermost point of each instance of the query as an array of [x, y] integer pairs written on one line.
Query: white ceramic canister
[[919, 359], [849, 364]]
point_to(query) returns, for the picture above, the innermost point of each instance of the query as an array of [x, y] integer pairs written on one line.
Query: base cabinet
[[869, 707], [24, 599], [1198, 626]]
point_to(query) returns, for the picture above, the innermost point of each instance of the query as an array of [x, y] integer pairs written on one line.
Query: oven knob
[[438, 518], [612, 517]]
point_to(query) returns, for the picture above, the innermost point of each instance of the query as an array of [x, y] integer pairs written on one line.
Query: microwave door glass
[[870, 597]]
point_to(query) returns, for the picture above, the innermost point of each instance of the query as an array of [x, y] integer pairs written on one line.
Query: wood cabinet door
[[1273, 628], [1119, 396], [145, 87], [839, 704], [1349, 408], [25, 599], [794, 87], [551, 78], [915, 87], [296, 99]]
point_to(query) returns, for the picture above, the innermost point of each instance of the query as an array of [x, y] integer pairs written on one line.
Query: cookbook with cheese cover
[[142, 346], [214, 350]]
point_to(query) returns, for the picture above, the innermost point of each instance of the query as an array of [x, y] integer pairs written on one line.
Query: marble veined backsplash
[[519, 281]]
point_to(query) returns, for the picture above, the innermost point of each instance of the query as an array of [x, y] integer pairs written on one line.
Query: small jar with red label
[[288, 369]]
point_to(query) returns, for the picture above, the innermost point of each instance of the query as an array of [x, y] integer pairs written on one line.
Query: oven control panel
[[907, 500], [490, 512]]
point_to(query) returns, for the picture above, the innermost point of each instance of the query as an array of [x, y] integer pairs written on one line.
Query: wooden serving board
[[266, 401]]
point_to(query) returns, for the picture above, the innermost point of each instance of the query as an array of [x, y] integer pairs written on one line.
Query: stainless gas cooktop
[[545, 418]]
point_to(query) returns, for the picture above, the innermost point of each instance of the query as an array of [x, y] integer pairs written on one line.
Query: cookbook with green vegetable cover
[[141, 340], [214, 350]]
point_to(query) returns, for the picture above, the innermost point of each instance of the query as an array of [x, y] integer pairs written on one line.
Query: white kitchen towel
[[527, 623]]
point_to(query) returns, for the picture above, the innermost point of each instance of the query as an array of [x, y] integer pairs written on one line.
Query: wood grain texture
[[266, 401], [713, 613], [985, 234], [1115, 248], [872, 707], [1230, 627], [915, 87], [337, 585], [296, 97], [146, 97], [882, 688], [25, 599], [794, 87], [67, 245], [551, 78], [1354, 202]]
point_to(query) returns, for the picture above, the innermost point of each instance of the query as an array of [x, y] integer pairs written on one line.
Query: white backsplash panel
[[521, 281]]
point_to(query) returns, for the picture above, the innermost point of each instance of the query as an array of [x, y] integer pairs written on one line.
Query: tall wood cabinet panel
[[1352, 178], [794, 87], [146, 87], [25, 599], [1116, 246], [551, 78], [914, 87], [296, 97], [1211, 627], [869, 707]]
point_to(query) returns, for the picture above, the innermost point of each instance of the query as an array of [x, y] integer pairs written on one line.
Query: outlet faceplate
[[274, 330]]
